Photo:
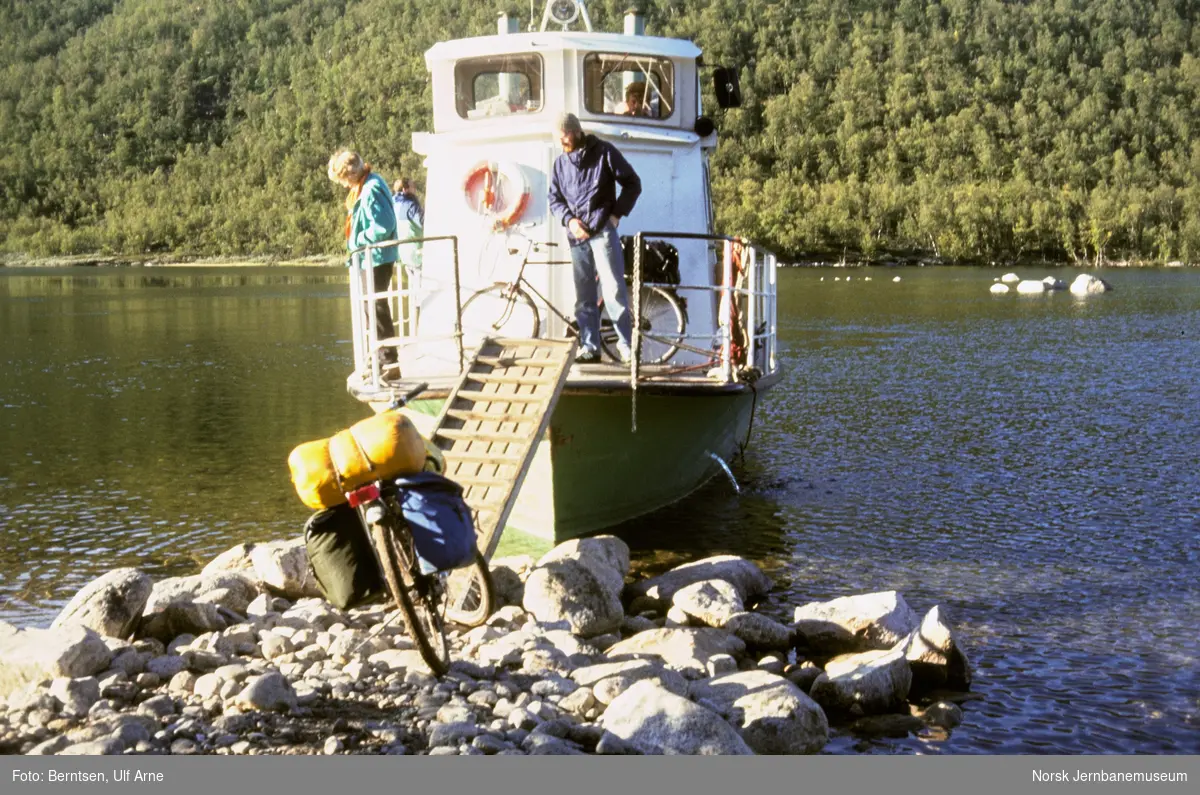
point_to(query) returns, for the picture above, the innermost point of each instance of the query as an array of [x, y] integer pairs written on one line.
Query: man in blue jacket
[[584, 198]]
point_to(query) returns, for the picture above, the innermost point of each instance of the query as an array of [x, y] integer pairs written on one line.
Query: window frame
[[656, 63], [468, 71]]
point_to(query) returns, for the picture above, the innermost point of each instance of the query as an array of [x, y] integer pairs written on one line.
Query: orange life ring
[[497, 191]]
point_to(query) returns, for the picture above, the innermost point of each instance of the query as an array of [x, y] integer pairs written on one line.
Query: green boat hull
[[592, 471]]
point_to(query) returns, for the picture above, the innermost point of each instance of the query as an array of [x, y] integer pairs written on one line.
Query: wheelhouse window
[[499, 85], [620, 84]]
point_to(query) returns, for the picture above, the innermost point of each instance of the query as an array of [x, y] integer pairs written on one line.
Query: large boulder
[[609, 680], [711, 602], [683, 648], [282, 566], [589, 675], [854, 623], [759, 631], [177, 590], [869, 683], [36, 655], [235, 559], [1086, 284], [1031, 287], [744, 575], [111, 604], [656, 721], [772, 714], [935, 655], [182, 618], [607, 555], [580, 582]]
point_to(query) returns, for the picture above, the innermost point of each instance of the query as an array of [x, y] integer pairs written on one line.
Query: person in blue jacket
[[410, 220], [584, 198], [370, 218]]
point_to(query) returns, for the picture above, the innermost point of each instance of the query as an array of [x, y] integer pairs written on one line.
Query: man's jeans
[[601, 254]]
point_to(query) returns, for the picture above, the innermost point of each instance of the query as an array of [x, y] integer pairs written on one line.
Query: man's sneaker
[[587, 356]]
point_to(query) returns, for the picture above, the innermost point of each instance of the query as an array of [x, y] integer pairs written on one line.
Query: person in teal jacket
[[370, 218]]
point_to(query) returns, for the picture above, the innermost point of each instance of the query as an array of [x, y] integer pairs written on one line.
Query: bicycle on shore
[[508, 309], [426, 599]]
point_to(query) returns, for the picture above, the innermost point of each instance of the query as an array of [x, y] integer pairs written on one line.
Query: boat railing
[[742, 344], [738, 346], [403, 295]]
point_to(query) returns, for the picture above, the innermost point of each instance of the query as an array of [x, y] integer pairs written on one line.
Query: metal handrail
[[359, 302], [729, 290], [760, 277], [757, 291]]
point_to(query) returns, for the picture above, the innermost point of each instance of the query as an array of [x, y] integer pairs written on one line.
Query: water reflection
[[149, 427], [1026, 462]]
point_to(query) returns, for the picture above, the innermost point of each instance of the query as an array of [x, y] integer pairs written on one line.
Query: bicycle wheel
[[498, 311], [662, 327], [418, 606], [470, 594]]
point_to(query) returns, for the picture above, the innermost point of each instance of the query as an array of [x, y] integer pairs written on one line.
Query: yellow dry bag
[[377, 448]]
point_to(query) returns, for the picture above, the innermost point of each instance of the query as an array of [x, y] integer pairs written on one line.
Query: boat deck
[[602, 378]]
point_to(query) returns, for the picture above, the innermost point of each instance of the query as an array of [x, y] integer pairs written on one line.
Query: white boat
[[623, 440]]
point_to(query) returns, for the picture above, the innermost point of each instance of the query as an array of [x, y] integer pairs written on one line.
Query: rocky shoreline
[[246, 658]]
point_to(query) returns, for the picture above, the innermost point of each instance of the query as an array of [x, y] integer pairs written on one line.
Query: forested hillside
[[975, 129]]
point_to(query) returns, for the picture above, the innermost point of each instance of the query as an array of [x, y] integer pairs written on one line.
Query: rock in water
[[743, 574], [855, 623], [713, 602], [869, 683], [111, 604], [935, 655], [772, 714], [1086, 284]]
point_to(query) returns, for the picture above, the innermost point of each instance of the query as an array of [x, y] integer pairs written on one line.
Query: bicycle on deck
[[508, 309]]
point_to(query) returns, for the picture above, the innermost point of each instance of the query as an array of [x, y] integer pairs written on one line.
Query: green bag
[[341, 558]]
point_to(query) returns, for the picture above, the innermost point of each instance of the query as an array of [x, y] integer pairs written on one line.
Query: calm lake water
[[1029, 463]]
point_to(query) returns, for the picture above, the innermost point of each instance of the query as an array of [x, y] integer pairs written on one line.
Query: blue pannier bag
[[439, 520]]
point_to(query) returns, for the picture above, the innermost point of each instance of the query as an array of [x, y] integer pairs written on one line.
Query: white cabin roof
[[557, 40]]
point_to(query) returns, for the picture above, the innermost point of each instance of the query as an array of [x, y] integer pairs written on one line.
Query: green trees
[[966, 129]]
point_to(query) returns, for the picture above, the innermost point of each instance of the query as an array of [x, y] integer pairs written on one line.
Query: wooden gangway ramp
[[493, 419]]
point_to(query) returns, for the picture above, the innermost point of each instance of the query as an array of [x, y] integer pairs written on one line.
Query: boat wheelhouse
[[624, 439]]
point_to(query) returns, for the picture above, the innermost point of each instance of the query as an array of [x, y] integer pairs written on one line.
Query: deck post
[[752, 306], [356, 312], [726, 311]]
